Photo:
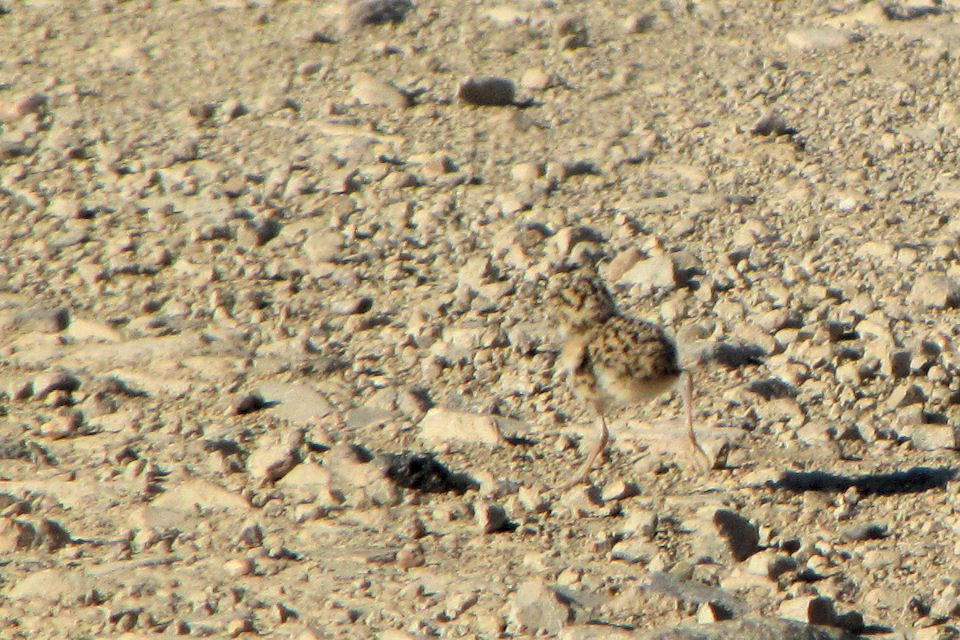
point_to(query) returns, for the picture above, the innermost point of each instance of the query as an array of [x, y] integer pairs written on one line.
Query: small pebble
[[238, 567], [535, 80], [65, 424], [491, 517], [22, 106]]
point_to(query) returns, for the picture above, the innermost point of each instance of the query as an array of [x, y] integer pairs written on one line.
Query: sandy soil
[[275, 358]]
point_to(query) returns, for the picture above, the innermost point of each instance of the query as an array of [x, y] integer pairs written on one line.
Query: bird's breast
[[620, 389], [572, 354]]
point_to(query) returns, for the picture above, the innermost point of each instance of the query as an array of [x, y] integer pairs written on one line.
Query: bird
[[613, 360]]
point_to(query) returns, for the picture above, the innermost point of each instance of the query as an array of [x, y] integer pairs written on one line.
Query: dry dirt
[[274, 356]]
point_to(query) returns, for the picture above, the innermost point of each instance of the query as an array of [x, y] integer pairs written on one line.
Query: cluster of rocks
[[275, 358]]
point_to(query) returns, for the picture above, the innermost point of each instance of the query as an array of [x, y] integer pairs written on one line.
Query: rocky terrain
[[275, 357]]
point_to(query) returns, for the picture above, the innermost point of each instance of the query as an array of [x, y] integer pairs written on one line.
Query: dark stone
[[423, 473]]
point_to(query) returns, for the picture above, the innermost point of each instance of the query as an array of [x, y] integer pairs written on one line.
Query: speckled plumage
[[613, 360]]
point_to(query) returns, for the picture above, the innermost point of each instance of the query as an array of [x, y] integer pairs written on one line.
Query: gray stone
[[635, 551], [487, 92], [42, 320], [378, 93], [22, 534], [322, 246], [445, 425], [64, 584], [904, 395], [866, 531], [359, 13], [298, 403], [692, 591], [491, 517], [742, 536], [656, 272], [930, 437], [537, 607], [935, 290], [820, 38], [357, 478], [272, 460], [196, 492], [746, 629], [812, 609]]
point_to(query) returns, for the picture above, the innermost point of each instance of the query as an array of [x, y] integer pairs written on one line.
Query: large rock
[[742, 536], [655, 272], [445, 425], [274, 459], [935, 290], [196, 492], [538, 608], [23, 534]]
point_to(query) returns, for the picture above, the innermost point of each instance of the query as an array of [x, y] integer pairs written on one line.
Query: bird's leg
[[585, 467], [687, 391]]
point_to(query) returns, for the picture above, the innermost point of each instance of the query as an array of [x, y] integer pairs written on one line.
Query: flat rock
[[445, 425], [152, 384], [87, 329], [275, 457], [748, 629], [820, 38], [537, 607], [655, 272], [158, 517], [191, 493], [76, 494], [106, 356], [55, 584], [936, 291], [378, 93], [42, 320], [360, 13], [262, 323], [665, 438], [298, 403], [356, 475], [930, 437]]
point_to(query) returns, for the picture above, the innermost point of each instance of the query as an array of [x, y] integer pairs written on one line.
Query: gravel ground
[[275, 357]]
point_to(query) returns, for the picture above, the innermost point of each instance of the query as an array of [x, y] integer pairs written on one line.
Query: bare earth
[[274, 356]]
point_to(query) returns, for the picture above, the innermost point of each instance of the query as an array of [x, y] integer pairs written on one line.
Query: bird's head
[[581, 301]]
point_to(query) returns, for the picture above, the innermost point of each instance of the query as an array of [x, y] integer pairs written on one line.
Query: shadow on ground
[[424, 473], [912, 480]]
